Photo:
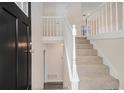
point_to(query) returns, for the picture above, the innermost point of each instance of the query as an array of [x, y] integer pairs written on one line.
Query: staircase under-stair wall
[[93, 74]]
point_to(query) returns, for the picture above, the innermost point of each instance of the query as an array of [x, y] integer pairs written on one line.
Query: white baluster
[[43, 25], [46, 26], [106, 14], [96, 23], [91, 26], [111, 17], [57, 26], [123, 16], [60, 24], [87, 32], [53, 26], [100, 21], [50, 26], [116, 5]]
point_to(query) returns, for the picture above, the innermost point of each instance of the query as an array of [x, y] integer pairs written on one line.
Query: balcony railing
[[52, 26], [106, 19]]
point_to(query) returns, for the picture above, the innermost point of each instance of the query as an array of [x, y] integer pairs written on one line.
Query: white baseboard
[[79, 36], [56, 39], [106, 61], [54, 81]]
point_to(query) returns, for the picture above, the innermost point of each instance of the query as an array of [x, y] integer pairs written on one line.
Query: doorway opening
[[53, 65]]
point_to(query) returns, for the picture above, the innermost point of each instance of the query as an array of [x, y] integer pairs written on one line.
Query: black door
[[15, 62], [7, 50]]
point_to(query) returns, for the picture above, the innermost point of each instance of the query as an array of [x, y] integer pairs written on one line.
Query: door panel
[[7, 50], [22, 56], [29, 57]]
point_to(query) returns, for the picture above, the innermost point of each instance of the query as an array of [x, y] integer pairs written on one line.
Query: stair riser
[[88, 58], [82, 42], [80, 38], [88, 62], [84, 46], [97, 69], [86, 86], [98, 85], [92, 74], [86, 52], [93, 71]]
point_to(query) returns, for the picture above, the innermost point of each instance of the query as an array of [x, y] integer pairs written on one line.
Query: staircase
[[93, 74], [86, 71]]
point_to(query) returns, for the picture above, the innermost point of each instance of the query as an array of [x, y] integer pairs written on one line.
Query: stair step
[[88, 58], [80, 37], [92, 74], [86, 52], [96, 68], [82, 41], [84, 46], [88, 62], [98, 83]]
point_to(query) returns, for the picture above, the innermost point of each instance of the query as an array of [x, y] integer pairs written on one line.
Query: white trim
[[54, 81], [52, 38], [106, 61], [52, 17], [110, 35], [80, 36]]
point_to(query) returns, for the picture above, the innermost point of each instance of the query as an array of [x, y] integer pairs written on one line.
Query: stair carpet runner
[[93, 74]]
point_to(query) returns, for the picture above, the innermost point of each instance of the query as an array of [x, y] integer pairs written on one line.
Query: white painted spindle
[[116, 6], [111, 17]]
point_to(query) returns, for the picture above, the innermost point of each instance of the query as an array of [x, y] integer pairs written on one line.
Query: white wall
[[37, 61], [113, 49], [74, 15], [54, 9], [49, 9], [54, 62]]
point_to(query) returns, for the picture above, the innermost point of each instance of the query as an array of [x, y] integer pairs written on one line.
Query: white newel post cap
[[74, 30]]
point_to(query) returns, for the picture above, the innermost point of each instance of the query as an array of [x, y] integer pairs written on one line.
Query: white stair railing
[[52, 26], [105, 19], [69, 42]]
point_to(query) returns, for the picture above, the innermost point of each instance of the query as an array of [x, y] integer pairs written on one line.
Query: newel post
[[122, 16], [75, 75], [74, 34], [74, 30], [74, 51]]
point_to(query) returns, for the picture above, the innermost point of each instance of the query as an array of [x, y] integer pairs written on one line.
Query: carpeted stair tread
[[93, 74], [86, 52], [84, 46]]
